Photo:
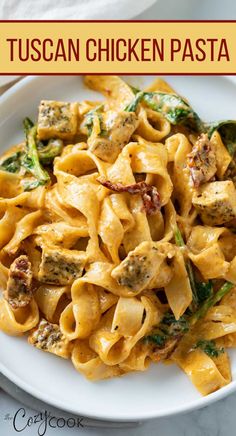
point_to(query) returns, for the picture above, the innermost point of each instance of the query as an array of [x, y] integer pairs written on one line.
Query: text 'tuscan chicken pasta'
[[118, 234]]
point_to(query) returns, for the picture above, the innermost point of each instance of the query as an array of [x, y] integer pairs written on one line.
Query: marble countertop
[[218, 419]]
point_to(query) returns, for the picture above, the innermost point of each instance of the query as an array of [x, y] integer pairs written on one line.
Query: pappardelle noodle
[[117, 234]]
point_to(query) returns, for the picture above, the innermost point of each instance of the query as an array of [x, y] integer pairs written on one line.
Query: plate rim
[[152, 414]]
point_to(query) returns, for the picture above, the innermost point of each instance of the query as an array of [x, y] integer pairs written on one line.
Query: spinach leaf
[[209, 347], [169, 328], [210, 301], [178, 112], [227, 131], [48, 152], [30, 184], [12, 164], [178, 237], [204, 290], [180, 243], [30, 160], [27, 124], [89, 120], [174, 108], [35, 153], [134, 104], [159, 339], [172, 326]]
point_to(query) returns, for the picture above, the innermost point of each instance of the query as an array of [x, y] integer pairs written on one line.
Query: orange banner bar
[[117, 47]]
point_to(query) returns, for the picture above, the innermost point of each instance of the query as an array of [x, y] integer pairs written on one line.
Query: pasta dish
[[117, 234]]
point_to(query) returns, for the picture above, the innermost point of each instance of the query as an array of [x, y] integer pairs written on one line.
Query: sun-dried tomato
[[149, 193]]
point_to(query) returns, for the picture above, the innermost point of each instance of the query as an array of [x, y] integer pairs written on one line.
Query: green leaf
[[28, 124], [29, 185], [175, 327], [174, 108], [178, 112], [47, 153], [89, 119], [134, 104], [204, 290], [12, 164], [34, 153], [158, 339], [211, 301], [180, 243], [30, 160], [178, 237], [227, 131], [209, 347], [169, 328]]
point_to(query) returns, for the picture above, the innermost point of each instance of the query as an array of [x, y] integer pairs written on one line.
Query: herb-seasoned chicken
[[202, 161], [61, 266], [216, 202], [139, 267], [116, 132], [48, 337], [18, 292], [57, 119]]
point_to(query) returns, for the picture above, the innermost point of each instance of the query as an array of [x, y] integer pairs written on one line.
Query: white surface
[[71, 9], [122, 9], [138, 395], [191, 10], [38, 406], [7, 79]]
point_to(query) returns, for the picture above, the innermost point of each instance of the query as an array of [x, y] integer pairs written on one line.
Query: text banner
[[75, 47]]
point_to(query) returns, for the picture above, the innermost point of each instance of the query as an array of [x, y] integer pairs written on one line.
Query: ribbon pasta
[[117, 247]]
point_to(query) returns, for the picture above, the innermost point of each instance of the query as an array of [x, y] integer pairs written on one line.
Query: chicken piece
[[139, 267], [118, 129], [18, 292], [121, 126], [57, 119], [48, 337], [216, 202], [61, 266], [163, 278], [202, 161]]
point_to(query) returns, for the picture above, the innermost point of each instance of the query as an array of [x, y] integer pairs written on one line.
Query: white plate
[[160, 391], [4, 80]]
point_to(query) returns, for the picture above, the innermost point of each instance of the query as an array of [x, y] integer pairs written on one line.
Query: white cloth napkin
[[72, 9]]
